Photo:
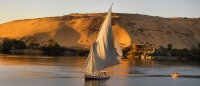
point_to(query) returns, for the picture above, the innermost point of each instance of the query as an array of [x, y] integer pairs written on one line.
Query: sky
[[28, 9]]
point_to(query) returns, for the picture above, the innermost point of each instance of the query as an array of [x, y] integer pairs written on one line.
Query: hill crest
[[79, 30]]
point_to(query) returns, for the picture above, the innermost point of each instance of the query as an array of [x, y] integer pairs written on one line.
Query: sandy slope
[[79, 30]]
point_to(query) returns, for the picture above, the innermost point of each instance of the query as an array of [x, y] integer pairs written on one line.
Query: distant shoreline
[[38, 52]]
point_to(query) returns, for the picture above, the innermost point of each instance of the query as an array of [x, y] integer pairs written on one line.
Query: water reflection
[[76, 61], [94, 82], [68, 70]]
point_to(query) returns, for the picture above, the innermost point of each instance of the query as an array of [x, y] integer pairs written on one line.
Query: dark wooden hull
[[91, 77]]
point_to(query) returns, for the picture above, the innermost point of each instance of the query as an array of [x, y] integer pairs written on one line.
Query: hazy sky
[[26, 9]]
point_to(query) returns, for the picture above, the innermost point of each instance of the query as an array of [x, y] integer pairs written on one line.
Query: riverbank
[[63, 52], [27, 51]]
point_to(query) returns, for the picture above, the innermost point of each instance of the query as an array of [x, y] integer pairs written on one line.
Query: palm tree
[[170, 46]]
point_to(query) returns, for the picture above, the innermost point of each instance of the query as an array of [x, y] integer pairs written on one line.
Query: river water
[[27, 70]]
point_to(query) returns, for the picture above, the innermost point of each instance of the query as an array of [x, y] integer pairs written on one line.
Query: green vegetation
[[193, 53], [51, 48], [8, 44], [1, 47], [33, 46], [189, 54], [169, 46]]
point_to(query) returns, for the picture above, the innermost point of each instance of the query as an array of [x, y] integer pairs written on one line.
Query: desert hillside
[[79, 30]]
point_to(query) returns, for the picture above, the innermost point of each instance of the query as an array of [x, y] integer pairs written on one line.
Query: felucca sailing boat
[[102, 54]]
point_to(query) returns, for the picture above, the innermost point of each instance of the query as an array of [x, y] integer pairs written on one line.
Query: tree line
[[50, 48], [53, 48], [8, 44], [193, 53]]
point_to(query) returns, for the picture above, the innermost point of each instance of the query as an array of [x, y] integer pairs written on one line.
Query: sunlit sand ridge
[[79, 30]]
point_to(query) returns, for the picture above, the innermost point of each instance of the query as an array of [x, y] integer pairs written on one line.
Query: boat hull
[[92, 77]]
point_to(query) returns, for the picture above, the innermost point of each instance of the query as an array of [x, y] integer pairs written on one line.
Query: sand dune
[[79, 30]]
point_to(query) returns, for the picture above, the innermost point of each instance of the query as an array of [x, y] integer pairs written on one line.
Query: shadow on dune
[[67, 36]]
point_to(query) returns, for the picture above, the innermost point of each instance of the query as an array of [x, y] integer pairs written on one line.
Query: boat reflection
[[94, 82]]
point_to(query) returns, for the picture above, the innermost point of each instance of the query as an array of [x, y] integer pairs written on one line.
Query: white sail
[[89, 65], [102, 53], [118, 48]]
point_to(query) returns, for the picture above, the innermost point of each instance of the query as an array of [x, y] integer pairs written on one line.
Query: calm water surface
[[25, 70]]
